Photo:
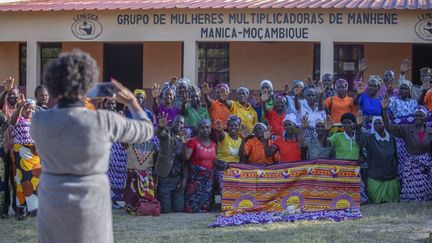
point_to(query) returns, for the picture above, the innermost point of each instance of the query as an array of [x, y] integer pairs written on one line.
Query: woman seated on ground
[[241, 107], [382, 182], [228, 145], [252, 146], [166, 104], [27, 165], [415, 157], [289, 145], [368, 101], [276, 115], [201, 152], [117, 170], [316, 145], [341, 103], [139, 192]]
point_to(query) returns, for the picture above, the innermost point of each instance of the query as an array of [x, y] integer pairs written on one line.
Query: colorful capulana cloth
[[27, 172], [383, 191], [199, 196], [21, 132], [139, 194], [117, 171], [312, 185]]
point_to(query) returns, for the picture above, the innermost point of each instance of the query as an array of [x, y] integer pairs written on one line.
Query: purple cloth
[[21, 132], [172, 113]]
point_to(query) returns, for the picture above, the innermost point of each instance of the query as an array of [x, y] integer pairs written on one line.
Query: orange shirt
[[338, 106], [218, 111], [288, 150], [255, 151], [276, 122], [428, 100]]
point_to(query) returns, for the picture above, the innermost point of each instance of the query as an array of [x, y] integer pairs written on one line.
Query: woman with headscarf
[[183, 88], [403, 106], [165, 105], [276, 115], [312, 108], [382, 182], [141, 96], [289, 144], [341, 103], [241, 107], [192, 111], [415, 160], [266, 89], [26, 159], [252, 148], [216, 108], [368, 101], [296, 94], [117, 170], [201, 152]]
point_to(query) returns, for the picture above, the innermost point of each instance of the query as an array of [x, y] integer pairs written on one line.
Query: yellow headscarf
[[140, 91]]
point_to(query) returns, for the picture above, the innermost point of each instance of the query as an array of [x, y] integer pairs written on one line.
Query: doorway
[[346, 58], [421, 58], [124, 62]]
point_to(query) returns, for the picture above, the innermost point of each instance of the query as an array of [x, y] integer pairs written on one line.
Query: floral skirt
[[199, 191], [139, 194]]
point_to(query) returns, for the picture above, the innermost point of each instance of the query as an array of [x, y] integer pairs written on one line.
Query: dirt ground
[[395, 222]]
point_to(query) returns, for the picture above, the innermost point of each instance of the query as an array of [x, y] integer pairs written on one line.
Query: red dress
[[202, 155]]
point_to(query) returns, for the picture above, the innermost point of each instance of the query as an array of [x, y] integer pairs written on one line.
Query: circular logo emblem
[[423, 29], [86, 29]]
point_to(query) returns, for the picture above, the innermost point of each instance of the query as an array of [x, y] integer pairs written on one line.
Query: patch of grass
[[395, 222]]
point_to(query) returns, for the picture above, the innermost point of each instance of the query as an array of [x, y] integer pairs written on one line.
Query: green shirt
[[344, 149], [192, 116]]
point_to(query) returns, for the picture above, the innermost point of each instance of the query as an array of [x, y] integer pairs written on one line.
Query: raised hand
[[265, 95], [244, 132], [359, 117], [122, 94], [361, 87], [405, 66], [205, 88], [362, 66], [426, 86], [321, 87], [173, 80], [309, 81], [156, 90], [286, 89], [328, 124], [305, 121], [163, 119], [21, 100], [223, 94], [184, 137], [267, 133], [385, 102], [9, 84], [256, 97], [218, 125]]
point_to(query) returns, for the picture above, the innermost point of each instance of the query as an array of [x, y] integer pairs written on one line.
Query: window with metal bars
[[213, 63]]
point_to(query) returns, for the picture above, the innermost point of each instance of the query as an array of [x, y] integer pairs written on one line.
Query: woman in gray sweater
[[74, 145]]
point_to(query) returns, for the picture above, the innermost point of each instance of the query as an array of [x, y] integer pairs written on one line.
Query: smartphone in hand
[[102, 91]]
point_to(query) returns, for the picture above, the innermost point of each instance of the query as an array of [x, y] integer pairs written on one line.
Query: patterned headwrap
[[298, 83], [184, 81], [427, 70], [406, 82], [223, 85], [30, 102], [375, 78], [166, 89], [341, 81], [140, 91], [268, 82], [243, 88], [281, 96], [422, 109], [260, 124], [348, 116], [204, 122], [234, 118]]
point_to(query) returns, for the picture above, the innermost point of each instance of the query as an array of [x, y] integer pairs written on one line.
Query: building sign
[[423, 27], [257, 26], [86, 27]]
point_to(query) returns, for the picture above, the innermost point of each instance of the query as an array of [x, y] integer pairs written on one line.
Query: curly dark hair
[[70, 75]]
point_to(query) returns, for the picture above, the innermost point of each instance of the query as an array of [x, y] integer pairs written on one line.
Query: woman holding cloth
[[74, 145]]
